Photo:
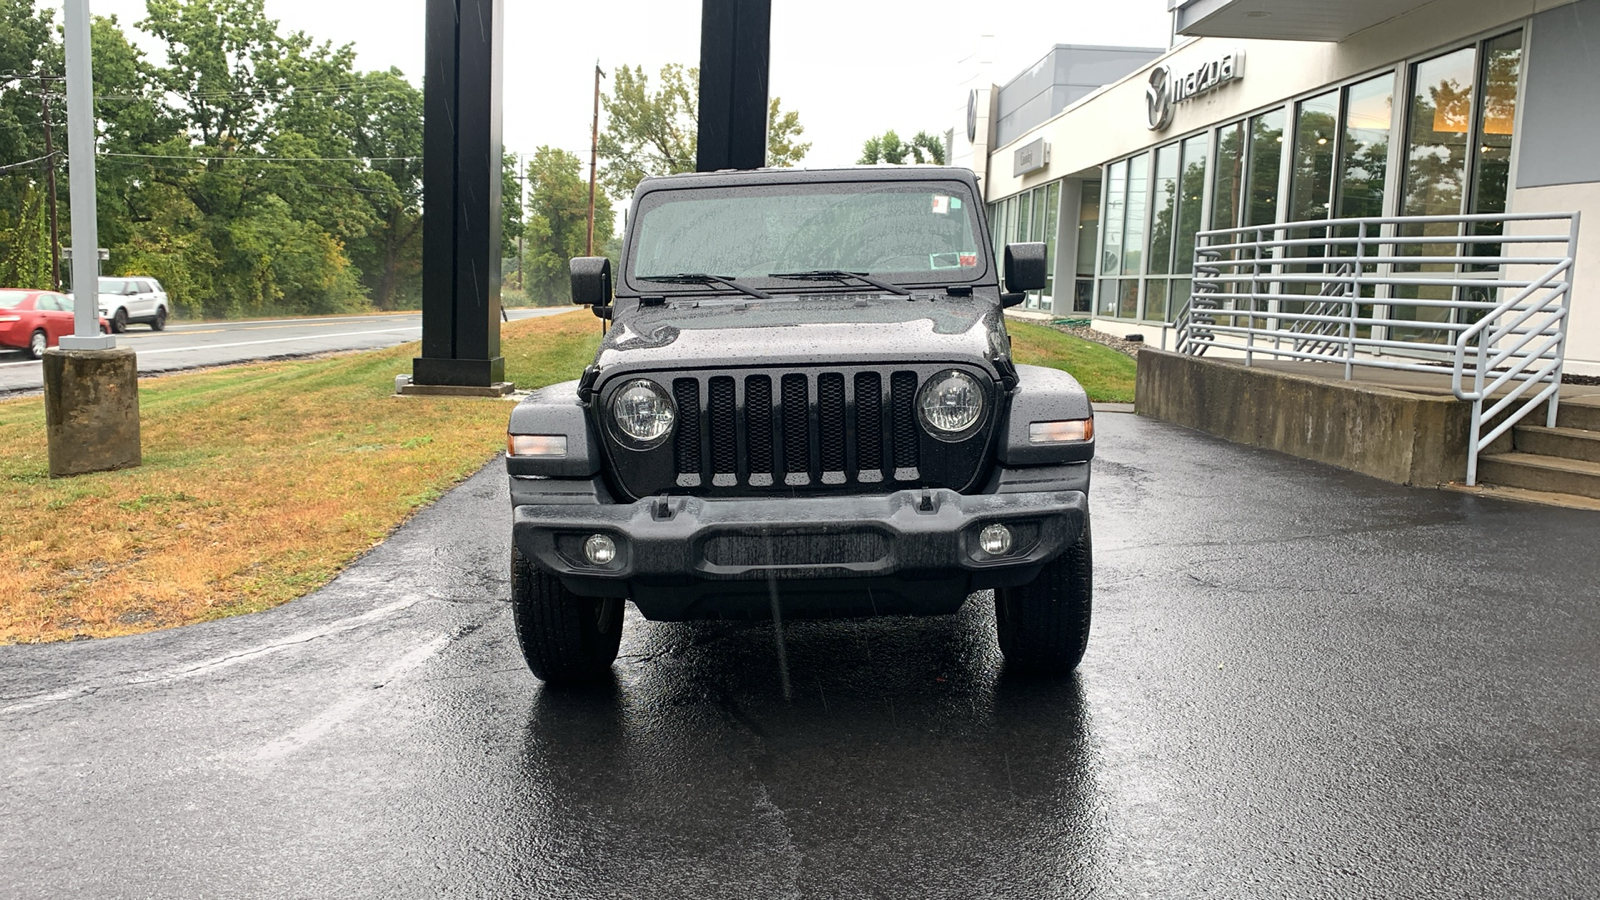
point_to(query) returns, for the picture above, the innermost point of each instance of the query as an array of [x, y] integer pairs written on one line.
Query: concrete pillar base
[[91, 410]]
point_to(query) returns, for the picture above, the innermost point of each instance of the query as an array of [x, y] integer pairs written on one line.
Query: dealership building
[[1266, 112]]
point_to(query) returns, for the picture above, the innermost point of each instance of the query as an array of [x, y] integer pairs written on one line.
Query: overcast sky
[[851, 69]]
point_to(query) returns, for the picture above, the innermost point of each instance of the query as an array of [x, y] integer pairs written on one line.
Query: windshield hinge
[[959, 290], [652, 300]]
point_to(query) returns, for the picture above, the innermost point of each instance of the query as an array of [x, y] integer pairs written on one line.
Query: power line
[[209, 159], [30, 162]]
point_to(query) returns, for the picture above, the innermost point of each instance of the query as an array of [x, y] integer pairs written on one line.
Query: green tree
[[889, 148], [655, 131], [510, 206], [385, 117], [558, 223]]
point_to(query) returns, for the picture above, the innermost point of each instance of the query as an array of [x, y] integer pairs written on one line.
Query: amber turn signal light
[[1068, 432], [545, 445]]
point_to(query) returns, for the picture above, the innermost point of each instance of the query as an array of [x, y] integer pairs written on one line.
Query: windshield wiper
[[702, 278], [840, 275]]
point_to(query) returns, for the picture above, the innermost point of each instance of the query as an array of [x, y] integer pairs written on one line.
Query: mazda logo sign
[[1158, 98]]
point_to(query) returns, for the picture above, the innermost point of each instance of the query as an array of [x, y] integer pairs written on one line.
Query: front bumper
[[911, 551]]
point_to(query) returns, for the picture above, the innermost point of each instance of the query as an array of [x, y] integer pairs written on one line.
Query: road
[[190, 346], [1301, 683]]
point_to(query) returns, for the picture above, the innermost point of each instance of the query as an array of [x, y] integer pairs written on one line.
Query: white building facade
[[1274, 111]]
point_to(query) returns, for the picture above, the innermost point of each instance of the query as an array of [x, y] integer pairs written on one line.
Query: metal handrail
[[1242, 300]]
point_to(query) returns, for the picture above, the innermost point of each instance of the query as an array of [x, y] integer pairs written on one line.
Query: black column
[[461, 196], [735, 47]]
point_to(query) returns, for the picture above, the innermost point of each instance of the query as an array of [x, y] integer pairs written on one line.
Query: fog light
[[599, 549], [995, 540]]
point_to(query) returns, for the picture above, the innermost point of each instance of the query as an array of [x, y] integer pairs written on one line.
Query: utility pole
[[594, 154], [50, 180], [522, 212]]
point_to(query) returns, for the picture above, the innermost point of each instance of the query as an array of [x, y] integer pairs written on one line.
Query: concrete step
[[1568, 443], [1522, 495], [1551, 474], [1576, 412]]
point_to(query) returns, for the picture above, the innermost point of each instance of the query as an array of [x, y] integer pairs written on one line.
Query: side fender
[[1043, 395], [556, 410]]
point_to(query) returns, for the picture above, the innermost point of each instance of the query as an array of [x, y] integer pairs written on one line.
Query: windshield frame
[[984, 273]]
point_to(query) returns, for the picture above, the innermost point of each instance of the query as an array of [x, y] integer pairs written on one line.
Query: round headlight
[[950, 403], [643, 411]]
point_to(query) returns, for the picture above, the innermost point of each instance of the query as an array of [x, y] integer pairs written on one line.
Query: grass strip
[[1107, 375], [261, 482]]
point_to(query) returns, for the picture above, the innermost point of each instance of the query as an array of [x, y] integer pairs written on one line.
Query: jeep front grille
[[854, 429]]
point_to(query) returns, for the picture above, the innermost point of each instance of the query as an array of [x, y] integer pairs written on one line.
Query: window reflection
[[1230, 177], [1133, 230], [1266, 157], [1435, 176], [1364, 159], [1191, 188], [1166, 206]]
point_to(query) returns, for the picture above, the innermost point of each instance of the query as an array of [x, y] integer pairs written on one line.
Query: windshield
[[902, 232], [12, 299]]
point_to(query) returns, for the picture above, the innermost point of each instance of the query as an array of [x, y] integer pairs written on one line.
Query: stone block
[[91, 410]]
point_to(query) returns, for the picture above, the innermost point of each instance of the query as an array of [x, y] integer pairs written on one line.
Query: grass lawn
[[1106, 374], [261, 482]]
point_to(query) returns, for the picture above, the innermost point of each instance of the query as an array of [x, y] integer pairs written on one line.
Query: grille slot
[[902, 401], [758, 425], [796, 430], [724, 430], [686, 391], [830, 418], [869, 422]]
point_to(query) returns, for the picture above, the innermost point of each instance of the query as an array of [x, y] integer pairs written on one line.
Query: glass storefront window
[[1225, 198], [1311, 177], [1364, 157], [1191, 188], [1133, 228], [1497, 113], [1438, 146], [1165, 200], [1115, 204], [1155, 300], [1437, 141], [1088, 227], [1050, 216], [1266, 159]]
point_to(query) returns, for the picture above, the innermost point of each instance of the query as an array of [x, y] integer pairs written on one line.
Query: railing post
[[1255, 288], [1355, 301], [1566, 306]]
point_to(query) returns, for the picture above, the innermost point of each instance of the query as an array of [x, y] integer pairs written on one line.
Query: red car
[[34, 320]]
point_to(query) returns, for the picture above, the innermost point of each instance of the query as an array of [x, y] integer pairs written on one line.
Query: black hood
[[801, 331]]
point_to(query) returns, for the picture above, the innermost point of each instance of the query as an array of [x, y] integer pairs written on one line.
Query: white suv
[[124, 300]]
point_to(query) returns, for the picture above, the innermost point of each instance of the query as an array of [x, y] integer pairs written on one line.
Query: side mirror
[[1026, 268], [591, 280]]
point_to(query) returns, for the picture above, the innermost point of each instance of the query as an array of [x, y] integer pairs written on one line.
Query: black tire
[[37, 342], [160, 323], [1044, 625], [565, 638], [119, 320]]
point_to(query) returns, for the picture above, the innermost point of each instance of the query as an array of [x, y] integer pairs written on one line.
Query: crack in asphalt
[[222, 662]]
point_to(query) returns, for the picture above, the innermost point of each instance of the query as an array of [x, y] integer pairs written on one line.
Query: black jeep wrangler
[[805, 406]]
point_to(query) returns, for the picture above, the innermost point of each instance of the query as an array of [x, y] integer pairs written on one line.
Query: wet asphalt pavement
[[1301, 683]]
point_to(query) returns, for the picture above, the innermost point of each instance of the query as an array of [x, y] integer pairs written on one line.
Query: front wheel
[[160, 324], [37, 344], [565, 638], [119, 321], [1043, 625]]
